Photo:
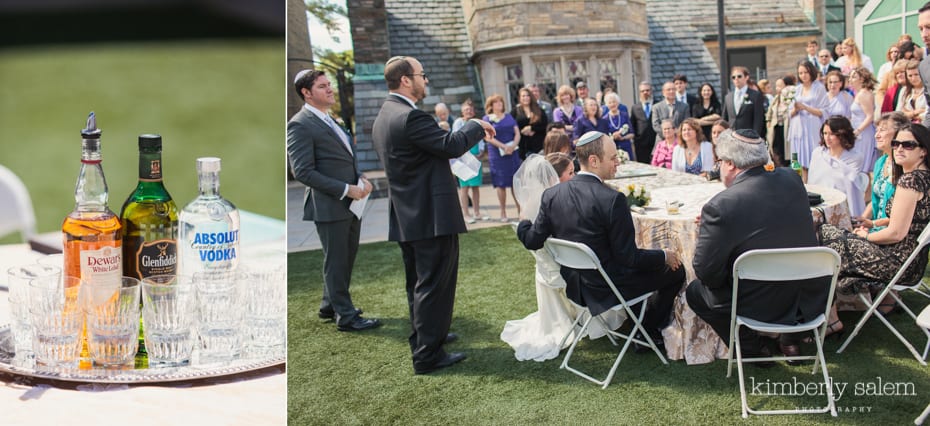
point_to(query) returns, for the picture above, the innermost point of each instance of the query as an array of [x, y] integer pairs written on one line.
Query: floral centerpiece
[[636, 195], [623, 156]]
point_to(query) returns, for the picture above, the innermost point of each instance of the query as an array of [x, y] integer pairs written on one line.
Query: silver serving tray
[[9, 364]]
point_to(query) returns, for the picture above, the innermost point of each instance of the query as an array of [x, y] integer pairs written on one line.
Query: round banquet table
[[687, 336]]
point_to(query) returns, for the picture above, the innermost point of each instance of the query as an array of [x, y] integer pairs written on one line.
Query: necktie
[[738, 100], [647, 107], [340, 132]]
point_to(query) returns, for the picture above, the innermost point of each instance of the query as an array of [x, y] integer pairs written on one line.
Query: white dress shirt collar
[[589, 174], [409, 101]]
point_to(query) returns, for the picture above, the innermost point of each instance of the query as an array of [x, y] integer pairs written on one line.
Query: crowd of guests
[[834, 120]]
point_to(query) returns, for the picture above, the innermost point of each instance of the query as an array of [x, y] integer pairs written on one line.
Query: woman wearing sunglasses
[[871, 259]]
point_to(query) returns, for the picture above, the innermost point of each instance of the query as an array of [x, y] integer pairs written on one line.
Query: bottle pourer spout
[[90, 129]]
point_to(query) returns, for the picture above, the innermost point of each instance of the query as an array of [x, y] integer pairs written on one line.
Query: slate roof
[[434, 32], [678, 38]]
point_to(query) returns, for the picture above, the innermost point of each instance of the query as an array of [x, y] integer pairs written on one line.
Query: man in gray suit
[[923, 25], [323, 158], [668, 109], [424, 214]]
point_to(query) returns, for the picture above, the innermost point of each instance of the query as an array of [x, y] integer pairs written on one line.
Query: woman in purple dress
[[838, 99], [566, 112], [862, 116], [618, 123], [806, 112], [590, 120], [501, 152]]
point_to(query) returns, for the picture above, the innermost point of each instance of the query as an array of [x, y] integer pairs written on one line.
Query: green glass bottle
[[795, 165], [150, 222]]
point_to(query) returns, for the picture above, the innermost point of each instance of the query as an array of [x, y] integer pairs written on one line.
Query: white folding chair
[[923, 320], [783, 265], [16, 213], [893, 288], [580, 256]]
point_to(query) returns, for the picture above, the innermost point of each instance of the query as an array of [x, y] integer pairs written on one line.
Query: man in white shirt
[[743, 107], [323, 158]]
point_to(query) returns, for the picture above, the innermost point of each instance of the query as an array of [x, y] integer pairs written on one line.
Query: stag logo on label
[[157, 257]]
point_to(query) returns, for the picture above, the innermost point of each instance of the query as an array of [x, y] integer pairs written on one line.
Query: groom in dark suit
[[747, 111], [759, 209], [425, 216], [323, 158], [585, 210]]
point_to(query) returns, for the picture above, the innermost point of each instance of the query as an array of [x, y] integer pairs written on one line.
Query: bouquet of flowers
[[788, 93], [636, 195], [623, 156]]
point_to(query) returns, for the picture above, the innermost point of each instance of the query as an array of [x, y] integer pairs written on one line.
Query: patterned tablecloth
[[687, 336]]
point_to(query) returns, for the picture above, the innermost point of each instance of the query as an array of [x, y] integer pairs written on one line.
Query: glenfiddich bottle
[[209, 226], [150, 218]]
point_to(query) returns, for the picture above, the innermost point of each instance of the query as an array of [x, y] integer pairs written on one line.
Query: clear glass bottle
[[92, 233], [209, 238], [795, 165]]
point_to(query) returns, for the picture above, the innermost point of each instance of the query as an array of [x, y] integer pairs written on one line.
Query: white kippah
[[300, 74]]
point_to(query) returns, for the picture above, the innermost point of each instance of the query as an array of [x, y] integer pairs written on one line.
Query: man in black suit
[[425, 216], [323, 158], [812, 47], [747, 112], [645, 137], [585, 210], [759, 209], [824, 63], [681, 91]]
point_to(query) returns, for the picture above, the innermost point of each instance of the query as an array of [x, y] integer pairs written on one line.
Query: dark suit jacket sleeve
[[534, 234], [300, 151], [727, 101], [623, 240], [758, 119], [422, 131], [711, 256]]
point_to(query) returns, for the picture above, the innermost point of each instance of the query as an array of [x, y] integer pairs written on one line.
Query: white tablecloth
[[687, 336]]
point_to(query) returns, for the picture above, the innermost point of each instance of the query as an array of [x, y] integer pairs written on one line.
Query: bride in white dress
[[542, 334]]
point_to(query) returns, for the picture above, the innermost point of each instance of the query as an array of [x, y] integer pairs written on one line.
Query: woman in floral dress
[[870, 260]]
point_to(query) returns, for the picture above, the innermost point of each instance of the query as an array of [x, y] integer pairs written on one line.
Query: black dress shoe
[[451, 337], [446, 361], [791, 350], [332, 315], [359, 324], [762, 352], [641, 349]]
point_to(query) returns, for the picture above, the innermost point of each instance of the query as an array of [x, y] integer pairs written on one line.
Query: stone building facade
[[475, 48]]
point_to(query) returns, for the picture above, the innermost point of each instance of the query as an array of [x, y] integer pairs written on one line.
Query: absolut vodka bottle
[[209, 240]]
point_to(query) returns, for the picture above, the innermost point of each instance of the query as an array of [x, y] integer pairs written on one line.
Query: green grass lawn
[[206, 98], [367, 378]]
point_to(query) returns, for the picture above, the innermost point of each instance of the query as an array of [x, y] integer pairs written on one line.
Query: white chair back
[[16, 213], [783, 266], [580, 256]]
